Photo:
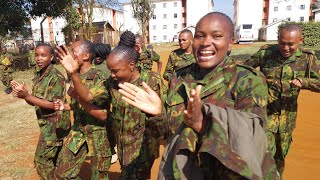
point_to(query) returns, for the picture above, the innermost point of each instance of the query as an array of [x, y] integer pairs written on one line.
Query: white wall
[[129, 22], [249, 12], [165, 26], [272, 32], [279, 10], [196, 9], [57, 25], [317, 16]]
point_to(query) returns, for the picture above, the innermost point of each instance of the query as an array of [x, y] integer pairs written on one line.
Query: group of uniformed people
[[219, 119]]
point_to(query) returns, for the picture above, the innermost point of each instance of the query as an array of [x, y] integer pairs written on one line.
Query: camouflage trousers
[[138, 169], [69, 164], [6, 76], [45, 160], [279, 145]]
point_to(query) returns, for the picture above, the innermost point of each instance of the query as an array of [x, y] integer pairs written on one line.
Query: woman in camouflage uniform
[[136, 132], [48, 85]]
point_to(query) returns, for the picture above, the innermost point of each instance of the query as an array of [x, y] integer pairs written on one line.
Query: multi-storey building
[[170, 17], [267, 15], [109, 18]]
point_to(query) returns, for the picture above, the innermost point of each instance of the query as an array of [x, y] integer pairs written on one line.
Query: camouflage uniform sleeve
[[312, 79], [155, 56], [169, 68], [100, 93], [251, 93], [254, 60], [56, 89]]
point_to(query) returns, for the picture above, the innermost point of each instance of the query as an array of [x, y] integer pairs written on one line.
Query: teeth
[[206, 52]]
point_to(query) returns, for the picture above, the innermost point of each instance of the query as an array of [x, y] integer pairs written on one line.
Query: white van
[[244, 34]]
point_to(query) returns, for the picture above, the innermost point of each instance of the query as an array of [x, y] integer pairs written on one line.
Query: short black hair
[[51, 50], [88, 47], [291, 27], [186, 31], [125, 53], [226, 17], [128, 39], [102, 50]]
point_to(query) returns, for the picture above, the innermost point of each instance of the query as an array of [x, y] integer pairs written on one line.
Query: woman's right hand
[[66, 60], [146, 100]]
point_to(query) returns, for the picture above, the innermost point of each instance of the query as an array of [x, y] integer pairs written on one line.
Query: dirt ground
[[18, 139]]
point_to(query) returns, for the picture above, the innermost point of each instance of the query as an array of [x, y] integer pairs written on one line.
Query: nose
[[113, 75], [207, 41]]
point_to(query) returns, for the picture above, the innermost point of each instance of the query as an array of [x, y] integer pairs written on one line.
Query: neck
[[85, 68], [135, 76], [188, 51]]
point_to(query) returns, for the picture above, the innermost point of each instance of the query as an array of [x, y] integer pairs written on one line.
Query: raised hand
[[146, 100], [66, 60], [193, 115]]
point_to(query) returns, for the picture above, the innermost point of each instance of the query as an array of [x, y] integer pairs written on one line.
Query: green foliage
[[311, 32], [13, 16], [142, 11], [53, 8]]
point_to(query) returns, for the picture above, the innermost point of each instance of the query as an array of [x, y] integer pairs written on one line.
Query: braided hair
[[102, 51], [125, 49]]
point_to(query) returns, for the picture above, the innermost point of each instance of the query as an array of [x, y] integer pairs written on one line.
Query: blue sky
[[225, 6]]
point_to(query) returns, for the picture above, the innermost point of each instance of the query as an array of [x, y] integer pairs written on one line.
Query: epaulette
[[308, 51], [253, 70]]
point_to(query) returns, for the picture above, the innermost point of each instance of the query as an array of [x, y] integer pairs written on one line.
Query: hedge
[[311, 32]]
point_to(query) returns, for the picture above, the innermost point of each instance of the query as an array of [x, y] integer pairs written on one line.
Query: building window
[[164, 16], [154, 6], [302, 19], [164, 26], [175, 4], [165, 37], [175, 26], [164, 5], [175, 15], [288, 19], [302, 7], [154, 17], [289, 8], [275, 19], [275, 8], [154, 38], [175, 36], [58, 32], [154, 27]]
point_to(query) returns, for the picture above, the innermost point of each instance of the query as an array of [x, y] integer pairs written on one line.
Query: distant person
[[88, 136], [146, 56], [181, 57], [31, 60], [6, 69], [48, 86], [102, 52], [287, 69], [215, 111]]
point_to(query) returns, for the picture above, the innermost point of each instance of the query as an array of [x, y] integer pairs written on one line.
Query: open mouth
[[206, 55]]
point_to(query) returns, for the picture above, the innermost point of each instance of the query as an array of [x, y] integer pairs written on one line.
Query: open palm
[[66, 60], [146, 100]]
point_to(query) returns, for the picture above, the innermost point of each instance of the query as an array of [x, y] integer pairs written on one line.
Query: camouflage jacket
[[104, 69], [135, 132], [177, 60], [229, 85], [86, 128], [146, 58], [49, 86], [282, 99]]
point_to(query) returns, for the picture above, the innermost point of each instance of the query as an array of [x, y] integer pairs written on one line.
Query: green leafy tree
[[142, 12], [73, 21]]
